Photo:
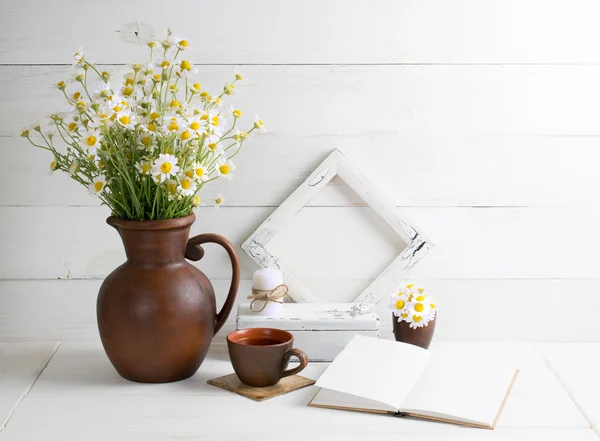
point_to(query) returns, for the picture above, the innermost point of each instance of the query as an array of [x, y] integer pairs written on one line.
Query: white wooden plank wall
[[480, 119]]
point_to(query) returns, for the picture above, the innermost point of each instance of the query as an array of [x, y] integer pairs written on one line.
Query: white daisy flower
[[398, 303], [199, 172], [174, 124], [258, 123], [217, 123], [145, 140], [237, 113], [229, 88], [196, 201], [97, 185], [196, 124], [195, 88], [171, 189], [225, 167], [102, 90], [239, 76], [53, 166], [212, 142], [144, 167], [239, 136], [163, 63], [126, 118], [416, 321], [218, 201], [179, 42], [79, 57], [186, 68], [90, 140], [187, 186], [164, 167]]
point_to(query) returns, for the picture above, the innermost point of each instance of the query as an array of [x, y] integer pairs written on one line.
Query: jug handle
[[194, 251]]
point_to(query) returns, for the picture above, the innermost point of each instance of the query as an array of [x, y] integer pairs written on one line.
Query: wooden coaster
[[285, 385]]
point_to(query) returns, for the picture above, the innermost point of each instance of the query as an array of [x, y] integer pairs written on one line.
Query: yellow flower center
[[61, 84], [417, 318], [204, 117], [219, 201], [238, 77], [76, 95], [173, 126], [165, 64], [53, 165], [405, 315], [224, 169], [129, 81], [166, 167], [152, 127], [102, 115], [105, 75], [72, 126], [127, 91], [186, 184], [175, 103], [189, 174], [196, 201], [124, 120], [432, 305], [80, 104], [185, 135], [98, 186], [199, 172], [205, 94], [400, 304], [194, 125], [156, 77], [146, 167], [237, 113], [172, 188], [212, 146], [183, 43], [215, 120], [196, 86], [154, 115], [91, 140], [419, 307], [100, 164], [146, 140], [117, 109], [185, 65], [419, 298], [410, 285]]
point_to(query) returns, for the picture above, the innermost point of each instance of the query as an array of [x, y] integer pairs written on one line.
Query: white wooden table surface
[[79, 396]]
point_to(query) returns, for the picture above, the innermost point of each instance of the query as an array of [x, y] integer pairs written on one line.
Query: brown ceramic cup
[[260, 355]]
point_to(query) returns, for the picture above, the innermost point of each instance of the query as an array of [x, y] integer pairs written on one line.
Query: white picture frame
[[336, 164]]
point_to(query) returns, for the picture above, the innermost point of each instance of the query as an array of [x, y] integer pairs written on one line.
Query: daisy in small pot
[[414, 314]]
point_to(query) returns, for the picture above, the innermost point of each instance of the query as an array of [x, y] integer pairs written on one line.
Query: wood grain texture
[[435, 171], [470, 310], [368, 100], [268, 31], [492, 242], [286, 385], [20, 366], [80, 383]]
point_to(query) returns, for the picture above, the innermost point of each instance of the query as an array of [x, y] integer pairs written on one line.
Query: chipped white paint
[[336, 164]]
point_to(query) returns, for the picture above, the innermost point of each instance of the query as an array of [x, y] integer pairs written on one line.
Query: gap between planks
[[566, 388], [30, 387]]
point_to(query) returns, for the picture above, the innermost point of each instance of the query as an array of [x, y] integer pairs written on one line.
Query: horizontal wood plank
[[339, 31], [368, 100], [411, 170], [470, 310], [75, 242]]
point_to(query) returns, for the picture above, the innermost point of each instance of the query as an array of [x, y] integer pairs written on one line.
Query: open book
[[385, 376]]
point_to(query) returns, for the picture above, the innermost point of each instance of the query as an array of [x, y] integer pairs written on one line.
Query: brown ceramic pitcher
[[156, 312]]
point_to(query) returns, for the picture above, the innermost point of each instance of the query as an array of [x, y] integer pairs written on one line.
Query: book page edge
[[512, 383], [352, 409]]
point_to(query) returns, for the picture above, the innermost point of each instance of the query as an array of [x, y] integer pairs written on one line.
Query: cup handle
[[301, 356]]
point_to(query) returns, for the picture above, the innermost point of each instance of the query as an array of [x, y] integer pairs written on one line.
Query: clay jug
[[156, 312]]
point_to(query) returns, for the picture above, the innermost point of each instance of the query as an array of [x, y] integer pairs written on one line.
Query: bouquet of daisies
[[413, 306], [145, 144]]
